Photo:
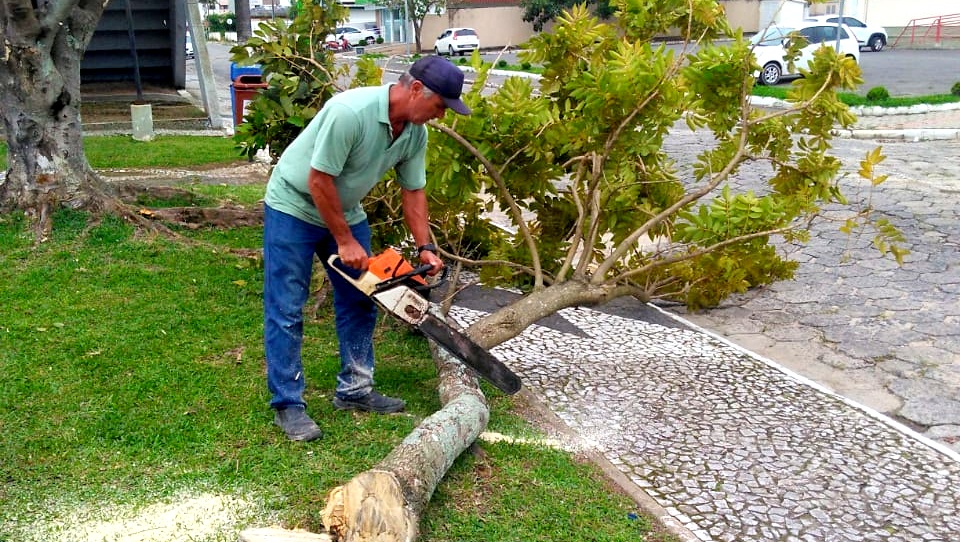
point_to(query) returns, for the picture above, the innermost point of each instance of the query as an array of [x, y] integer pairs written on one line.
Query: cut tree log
[[384, 504], [277, 534]]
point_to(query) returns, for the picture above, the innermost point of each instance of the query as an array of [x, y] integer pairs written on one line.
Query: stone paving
[[730, 445], [884, 335]]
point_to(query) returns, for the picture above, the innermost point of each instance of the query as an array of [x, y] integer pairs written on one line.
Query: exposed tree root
[[200, 217]]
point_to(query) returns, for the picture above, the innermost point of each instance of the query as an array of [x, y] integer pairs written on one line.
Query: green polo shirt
[[351, 140]]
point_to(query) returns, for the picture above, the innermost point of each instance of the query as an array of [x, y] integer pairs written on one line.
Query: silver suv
[[874, 37]]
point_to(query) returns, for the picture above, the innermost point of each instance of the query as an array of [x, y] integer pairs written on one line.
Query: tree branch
[[505, 194], [627, 275]]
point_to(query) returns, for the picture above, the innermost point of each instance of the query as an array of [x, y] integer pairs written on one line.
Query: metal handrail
[[931, 24]]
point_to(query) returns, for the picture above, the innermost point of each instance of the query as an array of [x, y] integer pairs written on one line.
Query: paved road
[[903, 72], [911, 72], [883, 335]]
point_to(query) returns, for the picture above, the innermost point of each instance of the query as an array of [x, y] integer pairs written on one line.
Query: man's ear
[[417, 86]]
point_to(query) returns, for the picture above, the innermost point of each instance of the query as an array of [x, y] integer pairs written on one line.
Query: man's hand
[[429, 257], [353, 255]]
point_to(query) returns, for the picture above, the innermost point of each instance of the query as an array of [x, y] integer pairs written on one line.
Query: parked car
[[372, 27], [188, 47], [770, 57], [772, 35], [356, 35], [456, 40], [874, 37]]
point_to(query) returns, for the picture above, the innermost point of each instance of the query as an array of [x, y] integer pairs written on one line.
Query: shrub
[[501, 63], [224, 22], [955, 89], [877, 94], [379, 39], [525, 66], [463, 60]]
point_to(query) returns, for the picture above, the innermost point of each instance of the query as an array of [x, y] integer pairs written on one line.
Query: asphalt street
[[903, 72]]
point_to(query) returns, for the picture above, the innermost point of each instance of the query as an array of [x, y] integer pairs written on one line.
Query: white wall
[[900, 12], [785, 12]]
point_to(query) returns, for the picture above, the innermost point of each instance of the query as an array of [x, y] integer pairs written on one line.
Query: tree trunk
[[40, 106], [508, 322], [384, 503], [244, 24]]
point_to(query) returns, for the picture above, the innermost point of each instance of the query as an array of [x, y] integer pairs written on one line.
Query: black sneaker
[[371, 402], [297, 424]]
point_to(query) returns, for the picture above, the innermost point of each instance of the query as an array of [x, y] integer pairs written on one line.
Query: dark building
[[159, 30]]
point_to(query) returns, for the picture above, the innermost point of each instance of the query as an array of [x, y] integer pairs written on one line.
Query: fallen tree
[[566, 191]]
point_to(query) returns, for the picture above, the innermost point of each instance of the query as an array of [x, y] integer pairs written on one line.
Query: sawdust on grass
[[194, 517]]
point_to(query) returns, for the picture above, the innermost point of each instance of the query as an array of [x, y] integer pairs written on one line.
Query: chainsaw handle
[[422, 270], [439, 281], [369, 283]]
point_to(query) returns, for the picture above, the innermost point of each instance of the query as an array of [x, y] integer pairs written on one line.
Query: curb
[[913, 135]]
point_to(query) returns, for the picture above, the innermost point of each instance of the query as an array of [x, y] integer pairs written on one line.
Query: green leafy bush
[[877, 94], [222, 22], [379, 39], [300, 73], [526, 66], [501, 63], [955, 89]]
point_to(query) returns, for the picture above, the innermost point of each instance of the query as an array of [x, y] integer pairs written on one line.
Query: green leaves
[[300, 73], [571, 178]]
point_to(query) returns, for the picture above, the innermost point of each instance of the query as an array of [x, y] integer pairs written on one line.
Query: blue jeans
[[288, 248]]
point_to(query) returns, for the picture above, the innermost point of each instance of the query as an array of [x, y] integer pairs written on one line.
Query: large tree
[[567, 190], [43, 44], [541, 12]]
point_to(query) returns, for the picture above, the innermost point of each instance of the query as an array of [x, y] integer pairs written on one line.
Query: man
[[312, 206]]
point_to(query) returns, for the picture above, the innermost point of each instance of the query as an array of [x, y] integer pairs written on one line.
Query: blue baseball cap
[[442, 77]]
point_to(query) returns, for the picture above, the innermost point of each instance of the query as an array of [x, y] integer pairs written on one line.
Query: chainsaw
[[401, 290]]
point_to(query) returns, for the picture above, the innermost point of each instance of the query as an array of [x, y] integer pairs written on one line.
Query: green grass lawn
[[853, 99], [107, 152], [132, 378]]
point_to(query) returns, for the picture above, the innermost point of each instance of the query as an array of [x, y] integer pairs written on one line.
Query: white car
[[356, 35], [188, 47], [874, 37], [771, 35], [770, 52], [456, 40]]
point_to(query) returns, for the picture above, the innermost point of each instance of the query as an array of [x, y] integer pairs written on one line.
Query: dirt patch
[[234, 174], [99, 112]]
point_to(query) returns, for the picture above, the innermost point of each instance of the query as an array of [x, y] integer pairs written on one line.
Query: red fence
[[930, 31]]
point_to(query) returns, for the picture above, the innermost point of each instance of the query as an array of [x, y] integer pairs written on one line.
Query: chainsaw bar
[[482, 362]]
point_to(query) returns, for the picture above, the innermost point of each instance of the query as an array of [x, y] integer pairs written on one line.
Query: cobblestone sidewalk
[[729, 444]]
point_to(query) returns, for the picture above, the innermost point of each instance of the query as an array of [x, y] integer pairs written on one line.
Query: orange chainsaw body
[[389, 264]]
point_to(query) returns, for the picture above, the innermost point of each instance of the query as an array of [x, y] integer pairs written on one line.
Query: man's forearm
[[415, 215], [327, 201]]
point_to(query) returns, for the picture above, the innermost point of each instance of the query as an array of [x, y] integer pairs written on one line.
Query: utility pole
[[839, 25], [406, 24]]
